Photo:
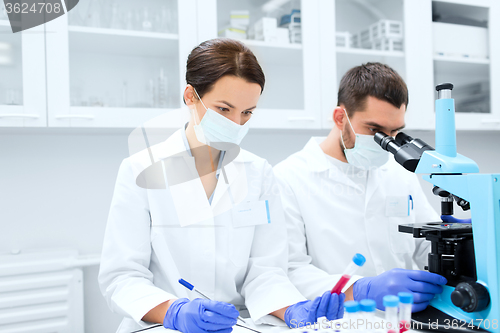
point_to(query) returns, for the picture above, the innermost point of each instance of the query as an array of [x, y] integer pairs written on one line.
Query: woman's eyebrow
[[228, 104]]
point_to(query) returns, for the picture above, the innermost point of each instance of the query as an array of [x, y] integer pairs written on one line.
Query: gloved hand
[[304, 313], [200, 316], [422, 284], [451, 219]]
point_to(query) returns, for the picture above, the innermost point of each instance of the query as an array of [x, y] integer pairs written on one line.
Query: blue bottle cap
[[351, 306], [367, 305], [359, 259], [391, 301], [406, 298]]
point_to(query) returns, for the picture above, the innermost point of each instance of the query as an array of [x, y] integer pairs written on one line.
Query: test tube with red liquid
[[357, 261], [405, 303]]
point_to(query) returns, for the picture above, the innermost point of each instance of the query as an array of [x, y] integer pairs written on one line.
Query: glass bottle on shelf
[[115, 22], [124, 101], [93, 18], [147, 25], [162, 89]]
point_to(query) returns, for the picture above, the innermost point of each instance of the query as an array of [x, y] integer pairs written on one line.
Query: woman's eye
[[374, 130], [223, 109], [247, 112]]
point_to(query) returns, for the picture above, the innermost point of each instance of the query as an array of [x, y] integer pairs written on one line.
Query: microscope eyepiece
[[403, 138], [387, 142], [406, 150]]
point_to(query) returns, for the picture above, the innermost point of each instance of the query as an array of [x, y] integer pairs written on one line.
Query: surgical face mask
[[214, 127], [366, 153]]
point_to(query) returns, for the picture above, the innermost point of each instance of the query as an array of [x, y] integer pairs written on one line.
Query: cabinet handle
[[19, 115], [490, 121], [301, 119], [75, 116]]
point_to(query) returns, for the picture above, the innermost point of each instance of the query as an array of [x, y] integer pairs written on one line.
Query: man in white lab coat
[[343, 194]]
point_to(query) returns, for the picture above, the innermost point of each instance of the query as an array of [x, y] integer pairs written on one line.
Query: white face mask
[[366, 153], [215, 128]]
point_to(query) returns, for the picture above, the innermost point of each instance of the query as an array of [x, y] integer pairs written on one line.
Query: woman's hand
[[304, 313], [200, 316]]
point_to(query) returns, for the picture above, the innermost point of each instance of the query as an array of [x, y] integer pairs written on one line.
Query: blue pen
[[410, 199], [192, 288]]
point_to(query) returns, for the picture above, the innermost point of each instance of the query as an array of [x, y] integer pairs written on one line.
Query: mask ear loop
[[349, 121], [196, 114]]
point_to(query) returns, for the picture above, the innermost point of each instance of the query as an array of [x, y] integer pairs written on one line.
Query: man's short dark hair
[[371, 79]]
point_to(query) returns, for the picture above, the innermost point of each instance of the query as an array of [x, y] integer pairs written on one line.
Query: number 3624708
[[25, 8]]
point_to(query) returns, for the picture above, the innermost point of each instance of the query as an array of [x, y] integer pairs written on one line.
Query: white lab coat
[[334, 210], [231, 254]]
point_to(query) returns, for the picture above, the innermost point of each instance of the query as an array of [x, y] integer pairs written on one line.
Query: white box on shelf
[[283, 35], [296, 35], [293, 20], [232, 32], [455, 40], [386, 29], [343, 39], [266, 29], [356, 40], [240, 18], [365, 37], [388, 44]]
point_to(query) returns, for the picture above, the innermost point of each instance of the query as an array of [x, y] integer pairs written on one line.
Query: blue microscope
[[467, 254]]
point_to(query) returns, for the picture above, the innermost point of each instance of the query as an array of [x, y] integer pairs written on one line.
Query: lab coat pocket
[[245, 216], [401, 243]]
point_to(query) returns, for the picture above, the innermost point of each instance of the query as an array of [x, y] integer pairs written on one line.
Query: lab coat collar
[[315, 156], [317, 161]]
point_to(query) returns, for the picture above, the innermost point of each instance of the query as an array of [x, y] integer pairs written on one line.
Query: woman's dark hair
[[371, 79], [215, 58]]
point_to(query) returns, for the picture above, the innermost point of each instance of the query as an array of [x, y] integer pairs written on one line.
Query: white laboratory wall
[[56, 187]]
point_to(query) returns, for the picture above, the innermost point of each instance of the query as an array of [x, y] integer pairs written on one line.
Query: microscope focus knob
[[470, 296]]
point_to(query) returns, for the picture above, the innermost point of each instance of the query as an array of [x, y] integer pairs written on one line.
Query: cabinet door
[[466, 52], [288, 53], [119, 63], [22, 76], [353, 33]]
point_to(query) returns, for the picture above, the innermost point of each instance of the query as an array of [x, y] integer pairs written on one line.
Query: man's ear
[[339, 117]]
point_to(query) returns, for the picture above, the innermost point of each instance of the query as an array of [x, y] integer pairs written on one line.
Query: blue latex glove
[[305, 313], [200, 316], [451, 219], [422, 284]]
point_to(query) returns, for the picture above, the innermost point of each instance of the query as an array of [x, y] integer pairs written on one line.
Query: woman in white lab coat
[[197, 207]]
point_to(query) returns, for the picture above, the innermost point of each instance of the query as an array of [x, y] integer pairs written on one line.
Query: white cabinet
[[118, 64], [22, 77], [406, 49], [122, 63], [466, 53], [291, 97]]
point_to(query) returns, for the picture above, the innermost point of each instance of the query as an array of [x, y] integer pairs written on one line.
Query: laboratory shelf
[[272, 53], [81, 116], [123, 42], [259, 43], [481, 61], [368, 52], [9, 111]]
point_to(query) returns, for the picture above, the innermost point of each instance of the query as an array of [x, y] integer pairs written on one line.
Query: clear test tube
[[351, 311], [391, 313], [405, 303], [357, 261], [367, 308]]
